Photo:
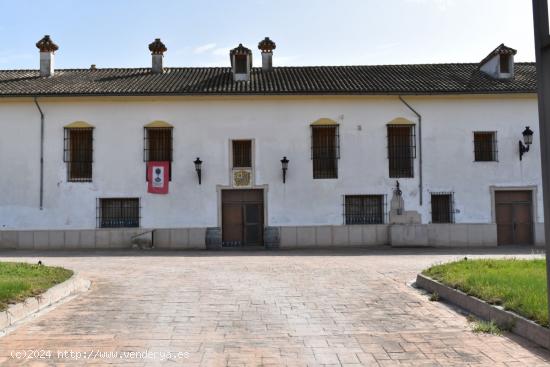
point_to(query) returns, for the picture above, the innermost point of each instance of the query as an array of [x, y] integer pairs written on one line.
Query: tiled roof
[[307, 80]]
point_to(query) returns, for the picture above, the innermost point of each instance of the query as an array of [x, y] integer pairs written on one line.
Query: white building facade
[[453, 152]]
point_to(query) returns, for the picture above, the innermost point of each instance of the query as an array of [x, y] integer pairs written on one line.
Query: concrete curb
[[17, 312], [506, 319]]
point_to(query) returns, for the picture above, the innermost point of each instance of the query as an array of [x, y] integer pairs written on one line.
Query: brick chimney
[[267, 46], [47, 50], [157, 49]]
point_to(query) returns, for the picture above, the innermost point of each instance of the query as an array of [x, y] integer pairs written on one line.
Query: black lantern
[[527, 140], [284, 163], [198, 168]]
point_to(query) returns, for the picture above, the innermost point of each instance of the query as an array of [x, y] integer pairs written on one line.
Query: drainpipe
[[41, 153], [419, 147]]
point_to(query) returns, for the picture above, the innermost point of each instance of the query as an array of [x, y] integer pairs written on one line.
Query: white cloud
[[204, 48]]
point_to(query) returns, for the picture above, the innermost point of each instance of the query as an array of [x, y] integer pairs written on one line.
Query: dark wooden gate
[[242, 218], [514, 217]]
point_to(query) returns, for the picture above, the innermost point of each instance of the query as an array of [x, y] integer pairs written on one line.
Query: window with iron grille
[[364, 209], [401, 150], [485, 146], [78, 153], [158, 146], [118, 212], [442, 207], [325, 151], [242, 153]]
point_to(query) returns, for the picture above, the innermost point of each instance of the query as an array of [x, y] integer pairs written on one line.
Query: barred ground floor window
[[364, 209], [118, 212], [442, 205]]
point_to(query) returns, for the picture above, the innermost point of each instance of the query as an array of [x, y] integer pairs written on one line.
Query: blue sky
[[116, 33]]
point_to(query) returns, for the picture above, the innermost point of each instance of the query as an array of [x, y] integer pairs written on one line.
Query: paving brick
[[298, 308]]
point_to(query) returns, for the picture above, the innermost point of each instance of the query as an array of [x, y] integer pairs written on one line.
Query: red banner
[[157, 175]]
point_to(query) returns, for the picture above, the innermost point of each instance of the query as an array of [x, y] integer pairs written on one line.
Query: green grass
[[20, 280], [487, 327], [517, 285]]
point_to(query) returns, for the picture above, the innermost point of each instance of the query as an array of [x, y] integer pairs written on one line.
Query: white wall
[[280, 126]]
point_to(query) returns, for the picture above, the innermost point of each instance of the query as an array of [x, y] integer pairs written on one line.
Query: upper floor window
[[485, 146], [241, 62], [242, 153], [401, 150], [442, 207], [78, 152], [325, 150], [364, 209], [158, 144], [118, 212], [505, 64]]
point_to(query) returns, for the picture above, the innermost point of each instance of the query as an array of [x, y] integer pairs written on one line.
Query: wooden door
[[514, 217], [242, 218]]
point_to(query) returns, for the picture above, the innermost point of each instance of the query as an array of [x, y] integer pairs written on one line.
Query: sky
[[116, 33]]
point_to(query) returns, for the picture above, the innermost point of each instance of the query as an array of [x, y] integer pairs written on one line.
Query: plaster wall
[[280, 126]]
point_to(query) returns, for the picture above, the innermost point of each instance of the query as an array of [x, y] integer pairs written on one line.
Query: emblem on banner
[[157, 175]]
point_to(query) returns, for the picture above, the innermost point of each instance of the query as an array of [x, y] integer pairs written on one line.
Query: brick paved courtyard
[[295, 308]]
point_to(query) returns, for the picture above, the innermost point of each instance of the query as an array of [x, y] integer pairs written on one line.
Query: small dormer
[[499, 64], [241, 63]]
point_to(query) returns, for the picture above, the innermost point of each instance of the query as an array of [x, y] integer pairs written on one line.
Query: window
[[442, 207], [240, 64], [364, 209], [118, 212], [158, 146], [242, 153], [505, 64], [401, 150], [485, 146], [325, 151], [78, 153]]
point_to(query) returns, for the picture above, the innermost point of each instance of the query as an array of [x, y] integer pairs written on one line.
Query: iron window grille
[[365, 209], [325, 151], [78, 153], [485, 146], [242, 153], [401, 150], [118, 212], [158, 146], [442, 204]]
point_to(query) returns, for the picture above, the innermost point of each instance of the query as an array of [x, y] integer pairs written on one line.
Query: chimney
[[157, 49], [47, 50], [241, 62], [267, 46]]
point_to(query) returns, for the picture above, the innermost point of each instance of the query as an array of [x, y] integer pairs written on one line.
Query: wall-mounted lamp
[[198, 168], [284, 163], [527, 140]]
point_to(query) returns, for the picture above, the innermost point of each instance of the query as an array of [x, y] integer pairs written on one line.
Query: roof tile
[[306, 80]]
